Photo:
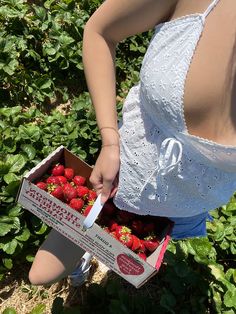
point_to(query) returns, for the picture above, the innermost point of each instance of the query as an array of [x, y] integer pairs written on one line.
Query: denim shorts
[[190, 227]]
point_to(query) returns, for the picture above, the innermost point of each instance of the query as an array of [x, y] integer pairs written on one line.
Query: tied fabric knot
[[170, 155]]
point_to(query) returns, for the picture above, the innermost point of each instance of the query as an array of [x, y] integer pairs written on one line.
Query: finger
[[95, 181], [106, 191], [98, 191], [113, 192]]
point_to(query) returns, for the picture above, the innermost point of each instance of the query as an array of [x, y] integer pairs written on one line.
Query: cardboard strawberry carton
[[90, 237]]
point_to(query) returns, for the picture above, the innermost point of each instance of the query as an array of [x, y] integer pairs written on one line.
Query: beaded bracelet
[[109, 127]]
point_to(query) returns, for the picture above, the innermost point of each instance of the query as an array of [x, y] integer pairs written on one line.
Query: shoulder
[[117, 20]]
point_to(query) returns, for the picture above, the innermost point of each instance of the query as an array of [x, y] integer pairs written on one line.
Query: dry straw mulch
[[16, 291]]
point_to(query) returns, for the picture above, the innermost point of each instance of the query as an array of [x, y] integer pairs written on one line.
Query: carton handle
[[93, 214]]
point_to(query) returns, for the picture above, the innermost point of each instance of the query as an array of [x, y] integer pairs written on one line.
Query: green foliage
[[38, 309], [41, 51], [58, 307], [41, 67], [9, 310]]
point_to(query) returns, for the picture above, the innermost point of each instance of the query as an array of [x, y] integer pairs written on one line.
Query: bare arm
[[114, 21]]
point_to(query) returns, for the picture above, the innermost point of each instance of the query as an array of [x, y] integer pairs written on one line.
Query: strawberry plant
[[41, 51], [40, 68]]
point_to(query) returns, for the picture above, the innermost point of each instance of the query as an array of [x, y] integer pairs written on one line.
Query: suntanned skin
[[210, 88]]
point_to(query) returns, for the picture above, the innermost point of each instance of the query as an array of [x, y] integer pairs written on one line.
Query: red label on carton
[[129, 266]]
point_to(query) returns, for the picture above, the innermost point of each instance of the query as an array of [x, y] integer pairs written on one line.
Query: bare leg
[[56, 259]]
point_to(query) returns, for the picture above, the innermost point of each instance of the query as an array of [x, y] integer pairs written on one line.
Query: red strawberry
[[109, 208], [92, 195], [112, 225], [68, 186], [151, 243], [69, 192], [69, 173], [136, 243], [123, 216], [126, 239], [62, 180], [142, 247], [42, 185], [79, 180], [77, 204], [113, 234], [142, 255], [106, 229], [58, 192], [137, 227], [87, 210], [121, 230], [82, 191], [53, 180], [58, 170]]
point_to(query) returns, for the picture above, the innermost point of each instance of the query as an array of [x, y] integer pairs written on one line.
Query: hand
[[104, 176]]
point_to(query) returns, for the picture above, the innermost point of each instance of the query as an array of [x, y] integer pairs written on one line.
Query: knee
[[36, 278]]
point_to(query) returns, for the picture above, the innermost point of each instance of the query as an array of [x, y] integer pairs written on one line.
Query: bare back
[[210, 89]]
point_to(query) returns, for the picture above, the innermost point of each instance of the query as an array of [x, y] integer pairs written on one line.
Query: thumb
[[106, 191]]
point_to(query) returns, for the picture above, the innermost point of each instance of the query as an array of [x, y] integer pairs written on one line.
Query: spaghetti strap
[[210, 8]]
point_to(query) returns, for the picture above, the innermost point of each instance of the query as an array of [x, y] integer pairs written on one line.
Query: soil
[[17, 292]]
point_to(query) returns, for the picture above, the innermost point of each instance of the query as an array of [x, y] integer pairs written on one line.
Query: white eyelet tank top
[[165, 171]]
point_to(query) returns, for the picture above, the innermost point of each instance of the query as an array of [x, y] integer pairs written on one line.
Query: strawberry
[[69, 173], [126, 239], [58, 170], [136, 243], [92, 195], [53, 180], [124, 217], [151, 243], [121, 230], [137, 227], [106, 229], [142, 248], [68, 185], [87, 210], [142, 255], [69, 192], [42, 185], [77, 204], [112, 225], [79, 180], [82, 191], [58, 192], [113, 234], [62, 180]]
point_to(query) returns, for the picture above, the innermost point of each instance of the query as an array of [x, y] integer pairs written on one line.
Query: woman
[[174, 153]]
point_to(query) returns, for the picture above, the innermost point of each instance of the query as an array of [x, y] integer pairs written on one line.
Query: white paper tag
[[93, 214]]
